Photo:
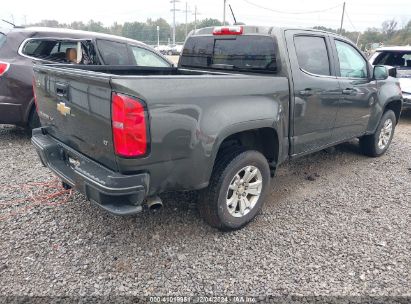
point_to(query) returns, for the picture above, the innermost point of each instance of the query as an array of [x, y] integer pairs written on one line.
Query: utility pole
[[195, 17], [186, 11], [225, 1], [342, 18], [174, 19], [158, 36], [358, 38]]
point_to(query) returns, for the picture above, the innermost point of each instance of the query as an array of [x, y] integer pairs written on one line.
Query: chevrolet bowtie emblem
[[61, 107]]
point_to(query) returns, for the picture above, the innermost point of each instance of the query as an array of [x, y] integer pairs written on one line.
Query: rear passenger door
[[315, 88]]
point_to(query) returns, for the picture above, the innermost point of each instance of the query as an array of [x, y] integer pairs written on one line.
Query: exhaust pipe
[[154, 203]]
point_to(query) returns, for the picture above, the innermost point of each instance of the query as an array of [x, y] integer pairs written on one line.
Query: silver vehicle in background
[[400, 58]]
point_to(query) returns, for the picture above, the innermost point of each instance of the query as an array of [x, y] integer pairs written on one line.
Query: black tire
[[212, 200], [369, 143]]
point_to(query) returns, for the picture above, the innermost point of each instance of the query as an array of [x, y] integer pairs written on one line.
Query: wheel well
[[30, 109], [395, 106], [264, 140]]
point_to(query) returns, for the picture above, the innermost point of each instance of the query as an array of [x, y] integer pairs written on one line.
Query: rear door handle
[[306, 92], [61, 89]]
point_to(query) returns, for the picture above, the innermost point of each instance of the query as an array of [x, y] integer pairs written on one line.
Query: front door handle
[[306, 92], [348, 91]]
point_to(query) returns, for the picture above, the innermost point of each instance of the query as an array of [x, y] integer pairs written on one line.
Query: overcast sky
[[361, 13]]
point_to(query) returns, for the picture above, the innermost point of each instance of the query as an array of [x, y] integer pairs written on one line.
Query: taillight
[[128, 119], [34, 94], [4, 66], [228, 30]]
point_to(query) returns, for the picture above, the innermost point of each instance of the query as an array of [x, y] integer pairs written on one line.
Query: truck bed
[[188, 113]]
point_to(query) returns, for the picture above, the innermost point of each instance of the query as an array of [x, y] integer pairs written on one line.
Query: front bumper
[[115, 192]]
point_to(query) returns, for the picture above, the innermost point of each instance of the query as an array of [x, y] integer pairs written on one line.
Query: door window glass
[[312, 54], [147, 58], [352, 64], [113, 53]]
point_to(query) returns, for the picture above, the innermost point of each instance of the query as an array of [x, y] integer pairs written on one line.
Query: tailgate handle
[[61, 89]]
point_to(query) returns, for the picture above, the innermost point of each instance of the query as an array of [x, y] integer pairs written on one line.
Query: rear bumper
[[117, 193]]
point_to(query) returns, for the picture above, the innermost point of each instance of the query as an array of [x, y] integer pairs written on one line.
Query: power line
[[291, 13], [349, 20]]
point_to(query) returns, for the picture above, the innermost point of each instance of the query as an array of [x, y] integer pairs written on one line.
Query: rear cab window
[[248, 53]]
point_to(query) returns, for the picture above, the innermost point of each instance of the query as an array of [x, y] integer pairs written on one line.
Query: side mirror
[[380, 72]]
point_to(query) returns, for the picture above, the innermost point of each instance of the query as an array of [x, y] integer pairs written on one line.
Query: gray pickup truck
[[242, 100]]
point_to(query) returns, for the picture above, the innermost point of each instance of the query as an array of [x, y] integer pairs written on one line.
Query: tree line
[[142, 31], [390, 33]]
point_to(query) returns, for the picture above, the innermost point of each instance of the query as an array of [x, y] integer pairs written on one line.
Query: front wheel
[[237, 189], [377, 144]]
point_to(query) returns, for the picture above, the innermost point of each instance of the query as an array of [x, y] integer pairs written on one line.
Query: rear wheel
[[377, 144], [237, 189]]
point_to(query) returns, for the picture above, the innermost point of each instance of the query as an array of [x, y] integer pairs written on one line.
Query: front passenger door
[[358, 91]]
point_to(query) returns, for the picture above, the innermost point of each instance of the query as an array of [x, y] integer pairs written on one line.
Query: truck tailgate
[[75, 108]]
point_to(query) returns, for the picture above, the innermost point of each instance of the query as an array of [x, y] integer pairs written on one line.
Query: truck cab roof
[[258, 30]]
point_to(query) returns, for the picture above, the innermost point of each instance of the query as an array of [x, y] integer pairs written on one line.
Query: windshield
[[242, 53]]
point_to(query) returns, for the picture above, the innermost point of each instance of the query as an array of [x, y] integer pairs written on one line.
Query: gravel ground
[[336, 223]]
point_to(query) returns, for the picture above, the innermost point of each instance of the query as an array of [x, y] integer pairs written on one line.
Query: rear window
[[2, 39], [242, 53]]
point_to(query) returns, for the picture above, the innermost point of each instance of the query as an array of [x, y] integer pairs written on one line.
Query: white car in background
[[177, 49], [170, 49], [400, 58]]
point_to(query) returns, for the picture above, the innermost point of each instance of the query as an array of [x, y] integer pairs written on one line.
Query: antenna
[[235, 21], [8, 22]]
